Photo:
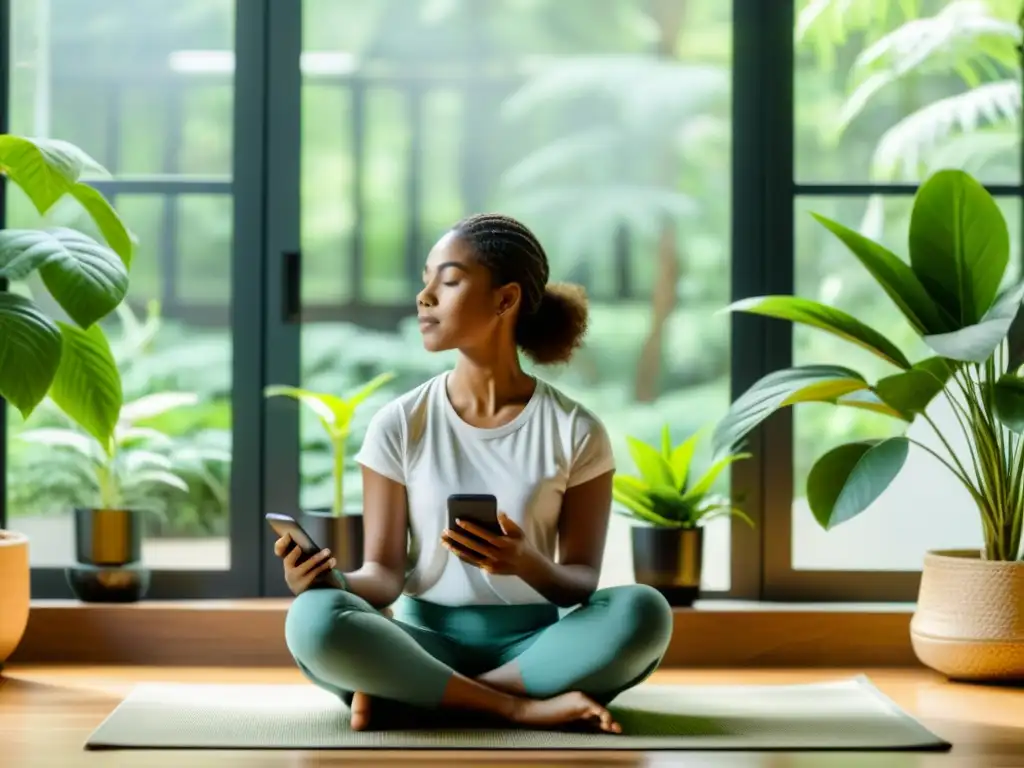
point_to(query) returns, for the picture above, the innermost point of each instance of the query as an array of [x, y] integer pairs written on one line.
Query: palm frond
[[962, 30], [563, 156], [648, 94], [903, 149], [827, 25], [964, 38]]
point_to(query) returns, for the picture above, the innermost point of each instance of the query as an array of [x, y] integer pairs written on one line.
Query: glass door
[[394, 119], [162, 94]]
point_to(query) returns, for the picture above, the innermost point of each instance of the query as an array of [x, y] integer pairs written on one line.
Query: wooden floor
[[46, 713]]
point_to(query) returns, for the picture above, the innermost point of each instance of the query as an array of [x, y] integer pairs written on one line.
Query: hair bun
[[556, 329]]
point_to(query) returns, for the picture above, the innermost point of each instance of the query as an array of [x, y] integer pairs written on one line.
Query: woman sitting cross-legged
[[477, 625]]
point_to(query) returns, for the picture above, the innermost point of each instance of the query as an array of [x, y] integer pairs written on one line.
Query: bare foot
[[360, 711], [567, 709]]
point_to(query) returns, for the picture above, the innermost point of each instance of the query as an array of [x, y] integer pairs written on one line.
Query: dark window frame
[[267, 84]]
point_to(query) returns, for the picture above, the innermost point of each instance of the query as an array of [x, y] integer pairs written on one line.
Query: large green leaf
[[87, 279], [976, 343], [87, 386], [45, 169], [809, 383], [896, 278], [56, 437], [703, 486], [1015, 344], [155, 404], [653, 467], [332, 411], [360, 395], [910, 392], [633, 494], [848, 479], [335, 413], [22, 252], [30, 352], [959, 244], [1008, 402], [867, 400], [817, 315], [107, 221], [680, 458]]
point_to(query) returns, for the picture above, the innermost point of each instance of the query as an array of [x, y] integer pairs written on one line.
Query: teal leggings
[[610, 643]]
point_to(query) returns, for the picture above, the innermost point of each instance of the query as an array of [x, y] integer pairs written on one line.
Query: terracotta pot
[[670, 560], [969, 622], [14, 591]]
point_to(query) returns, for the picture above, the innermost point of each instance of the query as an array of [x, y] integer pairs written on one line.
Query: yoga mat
[[848, 714]]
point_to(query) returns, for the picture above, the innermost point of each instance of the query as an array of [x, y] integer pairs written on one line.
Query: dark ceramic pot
[[343, 535], [108, 584], [108, 548], [670, 560]]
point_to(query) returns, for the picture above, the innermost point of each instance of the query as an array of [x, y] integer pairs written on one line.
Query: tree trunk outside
[[669, 15]]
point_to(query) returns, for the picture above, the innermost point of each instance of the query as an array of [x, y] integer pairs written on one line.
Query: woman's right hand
[[299, 576]]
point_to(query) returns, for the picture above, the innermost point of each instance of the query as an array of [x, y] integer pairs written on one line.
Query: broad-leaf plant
[[954, 292], [68, 360]]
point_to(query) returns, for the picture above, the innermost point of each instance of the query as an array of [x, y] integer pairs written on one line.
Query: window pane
[[925, 507], [894, 91], [557, 114], [140, 87]]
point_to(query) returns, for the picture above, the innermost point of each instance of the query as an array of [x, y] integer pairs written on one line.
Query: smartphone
[[283, 524], [479, 508]]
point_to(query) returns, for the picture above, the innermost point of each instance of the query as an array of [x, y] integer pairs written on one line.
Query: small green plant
[[142, 470], [663, 496], [70, 362], [335, 415], [954, 294]]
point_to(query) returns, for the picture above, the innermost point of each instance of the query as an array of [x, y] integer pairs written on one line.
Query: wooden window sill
[[250, 632]]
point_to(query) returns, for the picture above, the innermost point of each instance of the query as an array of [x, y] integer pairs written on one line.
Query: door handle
[[291, 287]]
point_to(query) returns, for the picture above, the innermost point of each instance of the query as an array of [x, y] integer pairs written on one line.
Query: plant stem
[[338, 446], [106, 476], [964, 425]]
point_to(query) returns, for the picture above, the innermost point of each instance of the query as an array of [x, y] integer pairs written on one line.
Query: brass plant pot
[[108, 537], [670, 560], [108, 548], [969, 621], [342, 534]]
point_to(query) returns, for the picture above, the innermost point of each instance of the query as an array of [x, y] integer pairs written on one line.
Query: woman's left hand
[[510, 554]]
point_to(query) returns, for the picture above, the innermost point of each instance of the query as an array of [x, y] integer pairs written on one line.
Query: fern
[[962, 38], [903, 148], [826, 25]]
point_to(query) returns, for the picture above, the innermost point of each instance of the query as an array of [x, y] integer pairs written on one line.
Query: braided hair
[[552, 318]]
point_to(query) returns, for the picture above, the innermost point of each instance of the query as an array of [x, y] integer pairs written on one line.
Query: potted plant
[[333, 527], [951, 291], [68, 361], [111, 491], [669, 509]]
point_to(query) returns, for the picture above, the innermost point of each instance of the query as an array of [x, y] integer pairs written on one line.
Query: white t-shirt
[[420, 441]]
